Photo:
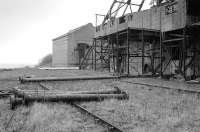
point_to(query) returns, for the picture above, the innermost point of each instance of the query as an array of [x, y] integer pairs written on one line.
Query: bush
[[45, 60]]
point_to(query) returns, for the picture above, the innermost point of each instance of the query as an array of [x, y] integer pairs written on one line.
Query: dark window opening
[[193, 8], [163, 2], [147, 68], [82, 48], [175, 52], [122, 20]]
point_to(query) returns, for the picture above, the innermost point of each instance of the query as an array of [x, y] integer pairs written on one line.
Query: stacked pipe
[[28, 96], [38, 79]]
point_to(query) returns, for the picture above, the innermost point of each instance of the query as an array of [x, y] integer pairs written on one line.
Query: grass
[[147, 110], [151, 110], [58, 118]]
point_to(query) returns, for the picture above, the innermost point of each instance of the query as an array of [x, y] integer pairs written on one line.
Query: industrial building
[[162, 40], [71, 47]]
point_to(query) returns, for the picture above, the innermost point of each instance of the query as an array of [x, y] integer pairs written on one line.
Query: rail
[[111, 127]]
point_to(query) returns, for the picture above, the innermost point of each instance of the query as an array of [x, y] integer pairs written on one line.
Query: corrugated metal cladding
[[65, 47]]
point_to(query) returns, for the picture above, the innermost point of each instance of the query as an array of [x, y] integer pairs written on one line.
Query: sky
[[27, 27]]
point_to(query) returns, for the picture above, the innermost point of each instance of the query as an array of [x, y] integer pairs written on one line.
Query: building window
[[122, 20], [175, 53], [170, 9]]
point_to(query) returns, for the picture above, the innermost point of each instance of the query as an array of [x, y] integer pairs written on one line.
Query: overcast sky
[[27, 27]]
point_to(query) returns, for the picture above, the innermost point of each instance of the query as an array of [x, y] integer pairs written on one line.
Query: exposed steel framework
[[113, 12], [113, 52]]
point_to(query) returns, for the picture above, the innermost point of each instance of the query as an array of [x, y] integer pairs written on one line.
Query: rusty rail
[[111, 127], [164, 87], [10, 120], [43, 86]]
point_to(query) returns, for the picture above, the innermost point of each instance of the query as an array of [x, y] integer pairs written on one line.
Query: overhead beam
[[128, 3], [141, 5], [110, 12]]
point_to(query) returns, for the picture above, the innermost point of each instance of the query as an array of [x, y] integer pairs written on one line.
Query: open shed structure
[[162, 40]]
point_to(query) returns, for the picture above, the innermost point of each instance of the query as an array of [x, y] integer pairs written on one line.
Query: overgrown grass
[[58, 118], [151, 110], [147, 110]]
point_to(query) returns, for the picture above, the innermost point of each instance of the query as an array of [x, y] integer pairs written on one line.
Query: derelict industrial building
[[71, 47]]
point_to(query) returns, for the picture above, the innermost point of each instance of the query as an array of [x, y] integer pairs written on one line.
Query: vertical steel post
[[161, 54], [194, 63], [128, 52], [113, 54], [95, 60], [117, 52], [161, 45], [108, 50], [101, 52], [143, 44], [184, 52], [93, 55]]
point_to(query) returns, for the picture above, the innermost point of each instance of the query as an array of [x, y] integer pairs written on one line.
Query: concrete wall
[[64, 47]]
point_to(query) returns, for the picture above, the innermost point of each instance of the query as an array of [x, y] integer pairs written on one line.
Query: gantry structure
[[159, 41]]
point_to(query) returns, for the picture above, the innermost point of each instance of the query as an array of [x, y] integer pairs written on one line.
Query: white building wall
[[64, 53], [60, 52]]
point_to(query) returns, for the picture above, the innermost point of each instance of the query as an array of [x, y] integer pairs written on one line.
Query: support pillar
[[143, 45], [95, 55], [161, 54], [128, 52]]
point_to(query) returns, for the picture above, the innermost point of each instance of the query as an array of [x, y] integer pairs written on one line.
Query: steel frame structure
[[113, 12], [114, 53], [178, 45]]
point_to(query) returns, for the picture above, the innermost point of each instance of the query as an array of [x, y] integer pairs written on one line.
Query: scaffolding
[[141, 51]]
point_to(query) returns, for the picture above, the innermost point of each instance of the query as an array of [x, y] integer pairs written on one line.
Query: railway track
[[110, 126], [43, 86], [164, 87], [10, 120]]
